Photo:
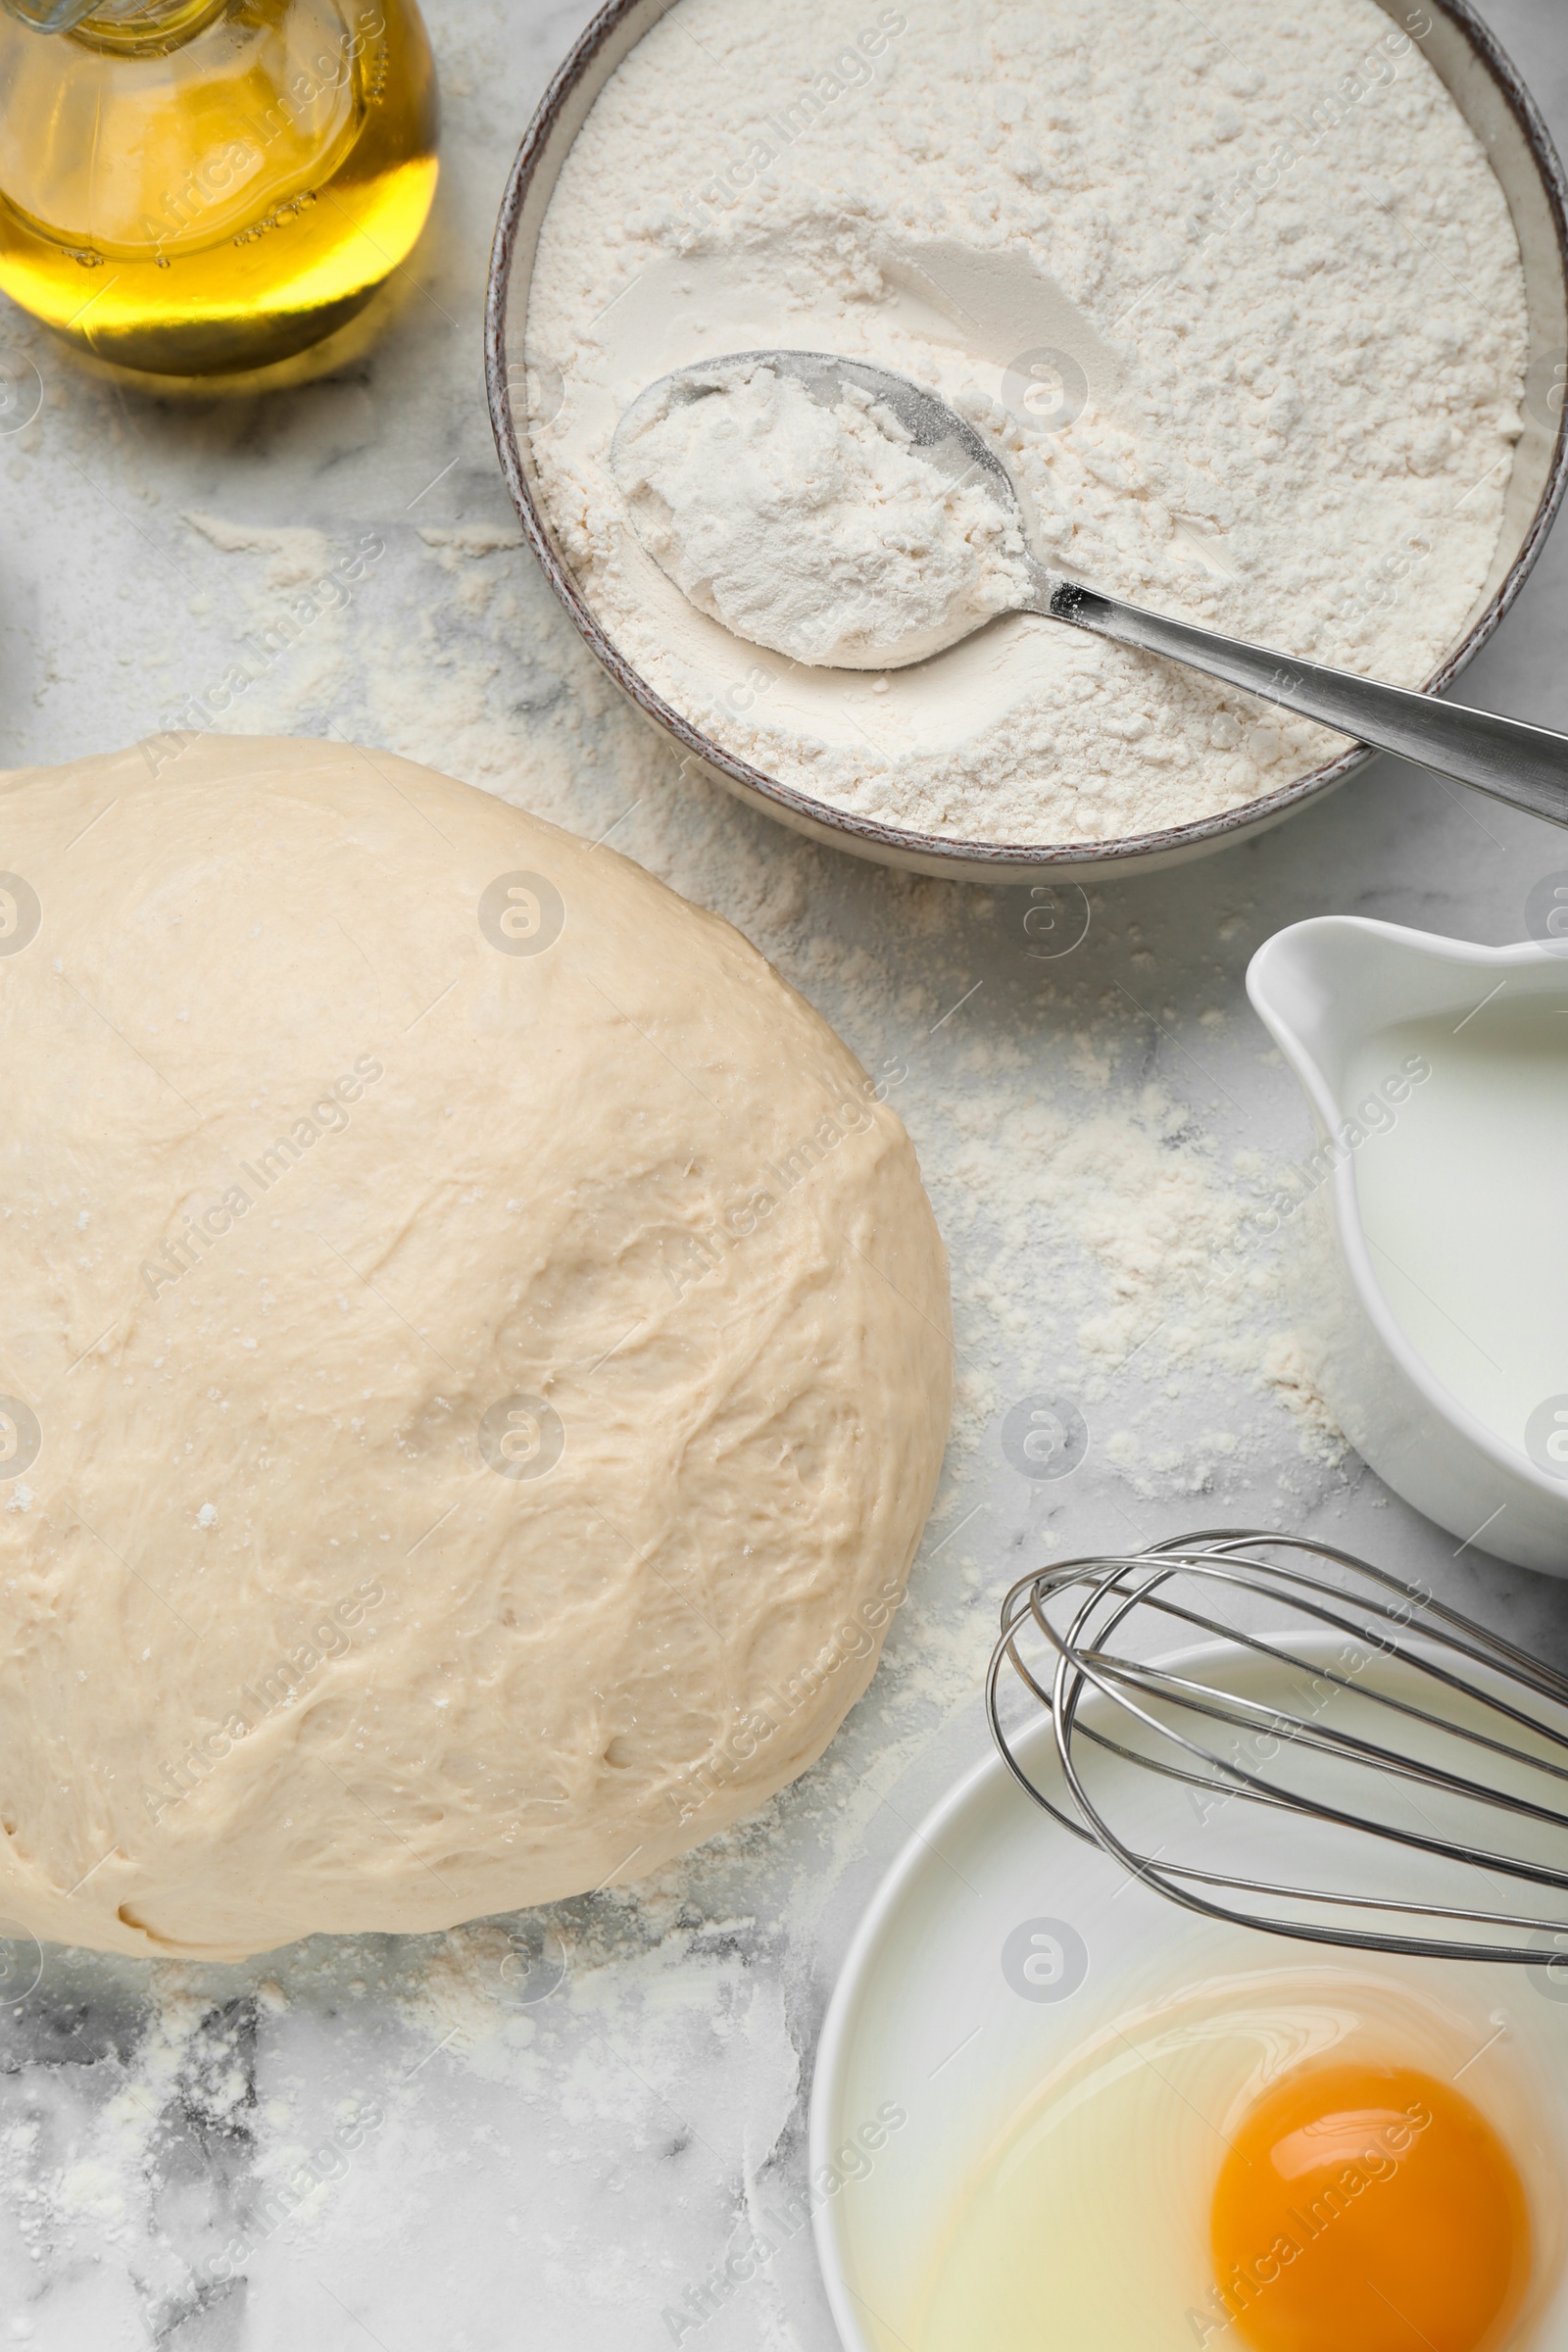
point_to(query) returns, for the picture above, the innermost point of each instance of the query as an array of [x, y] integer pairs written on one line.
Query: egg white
[[1085, 2226]]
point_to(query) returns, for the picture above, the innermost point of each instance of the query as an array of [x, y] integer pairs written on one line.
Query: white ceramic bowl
[[1321, 988], [1487, 90], [933, 2019]]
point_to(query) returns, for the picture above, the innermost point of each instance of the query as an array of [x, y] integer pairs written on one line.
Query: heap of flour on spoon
[[817, 529]]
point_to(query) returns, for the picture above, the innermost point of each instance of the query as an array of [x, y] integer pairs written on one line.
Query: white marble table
[[418, 2145]]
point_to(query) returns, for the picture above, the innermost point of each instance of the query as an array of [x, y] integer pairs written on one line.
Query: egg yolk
[[1366, 2208]]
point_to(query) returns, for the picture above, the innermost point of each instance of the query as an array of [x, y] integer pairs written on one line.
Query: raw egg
[[1276, 2160], [1368, 2209]]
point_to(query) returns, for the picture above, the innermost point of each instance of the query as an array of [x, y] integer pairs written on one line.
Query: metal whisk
[[1346, 1761]]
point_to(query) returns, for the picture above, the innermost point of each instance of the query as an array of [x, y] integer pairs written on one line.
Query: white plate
[[994, 1947]]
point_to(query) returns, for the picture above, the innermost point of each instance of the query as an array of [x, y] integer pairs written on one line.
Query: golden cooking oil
[[200, 186]]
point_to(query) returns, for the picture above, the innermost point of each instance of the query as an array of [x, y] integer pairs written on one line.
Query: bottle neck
[[49, 16], [127, 26]]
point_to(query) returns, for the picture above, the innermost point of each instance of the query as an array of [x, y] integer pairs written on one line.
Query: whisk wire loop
[[1372, 1703], [1242, 1713]]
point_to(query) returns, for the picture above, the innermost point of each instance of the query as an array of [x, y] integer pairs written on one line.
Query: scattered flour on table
[[1099, 1231], [296, 553], [814, 527], [1101, 1235], [1235, 293]]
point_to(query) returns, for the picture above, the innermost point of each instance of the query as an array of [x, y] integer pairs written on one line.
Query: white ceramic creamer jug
[[1430, 1235]]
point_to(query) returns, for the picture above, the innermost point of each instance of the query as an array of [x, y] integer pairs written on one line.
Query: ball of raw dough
[[474, 1362]]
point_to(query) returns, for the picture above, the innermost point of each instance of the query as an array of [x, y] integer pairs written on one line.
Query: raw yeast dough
[[473, 1357]]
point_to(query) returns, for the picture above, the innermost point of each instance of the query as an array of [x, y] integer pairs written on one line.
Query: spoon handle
[[1525, 766]]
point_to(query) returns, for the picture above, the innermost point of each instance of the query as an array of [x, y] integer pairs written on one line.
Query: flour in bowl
[[814, 527], [1235, 292]]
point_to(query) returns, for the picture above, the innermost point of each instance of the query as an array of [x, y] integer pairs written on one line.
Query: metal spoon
[[1525, 766]]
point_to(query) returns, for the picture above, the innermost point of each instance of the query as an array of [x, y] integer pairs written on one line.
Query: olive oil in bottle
[[195, 187]]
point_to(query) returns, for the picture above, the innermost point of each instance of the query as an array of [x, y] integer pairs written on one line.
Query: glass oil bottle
[[195, 187]]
